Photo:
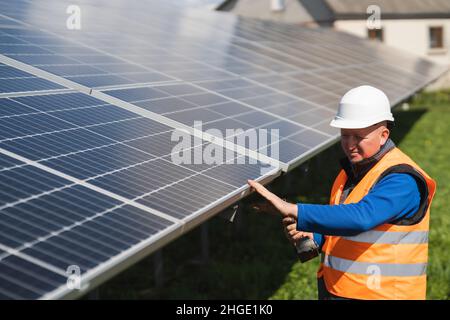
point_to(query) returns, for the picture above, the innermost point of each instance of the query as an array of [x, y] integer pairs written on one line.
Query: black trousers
[[323, 293]]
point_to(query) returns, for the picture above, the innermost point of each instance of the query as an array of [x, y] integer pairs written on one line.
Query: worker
[[373, 236]]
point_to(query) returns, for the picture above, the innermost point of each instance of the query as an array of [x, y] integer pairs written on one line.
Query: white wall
[[409, 34]]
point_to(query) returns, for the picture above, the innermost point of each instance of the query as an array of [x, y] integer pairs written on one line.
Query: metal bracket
[[230, 213]]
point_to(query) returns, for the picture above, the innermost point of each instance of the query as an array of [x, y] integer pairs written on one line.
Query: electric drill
[[306, 249]]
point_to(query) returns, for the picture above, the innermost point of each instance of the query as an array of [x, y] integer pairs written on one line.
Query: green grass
[[251, 259]]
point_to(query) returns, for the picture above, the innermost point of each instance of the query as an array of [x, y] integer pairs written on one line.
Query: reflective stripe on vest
[[383, 269], [395, 256], [374, 236]]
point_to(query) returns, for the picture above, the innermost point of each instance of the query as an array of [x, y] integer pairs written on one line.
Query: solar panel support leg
[[159, 268], [239, 221], [205, 242]]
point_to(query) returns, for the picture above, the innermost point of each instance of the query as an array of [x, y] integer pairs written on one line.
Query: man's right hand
[[292, 234]]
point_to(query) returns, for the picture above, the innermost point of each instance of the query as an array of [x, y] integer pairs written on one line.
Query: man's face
[[360, 144]]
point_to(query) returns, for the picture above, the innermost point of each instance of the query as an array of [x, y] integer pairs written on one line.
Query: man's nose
[[351, 142]]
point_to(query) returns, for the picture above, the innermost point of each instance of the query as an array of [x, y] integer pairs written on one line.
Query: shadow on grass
[[404, 121], [248, 259]]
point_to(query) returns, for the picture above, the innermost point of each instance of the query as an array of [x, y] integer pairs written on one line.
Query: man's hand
[[291, 232], [286, 209]]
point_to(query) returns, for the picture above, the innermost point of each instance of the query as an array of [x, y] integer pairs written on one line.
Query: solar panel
[[123, 189], [261, 65], [187, 103], [87, 119], [61, 224]]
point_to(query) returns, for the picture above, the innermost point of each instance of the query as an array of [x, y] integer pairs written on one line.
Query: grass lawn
[[251, 259]]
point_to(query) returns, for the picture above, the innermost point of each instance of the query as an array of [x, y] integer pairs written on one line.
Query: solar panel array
[[87, 119]]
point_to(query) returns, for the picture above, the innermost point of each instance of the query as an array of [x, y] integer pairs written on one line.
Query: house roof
[[390, 9], [301, 11], [296, 11]]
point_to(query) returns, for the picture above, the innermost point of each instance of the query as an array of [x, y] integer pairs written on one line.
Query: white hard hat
[[362, 107]]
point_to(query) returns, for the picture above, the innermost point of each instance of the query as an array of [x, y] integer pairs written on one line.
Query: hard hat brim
[[349, 124]]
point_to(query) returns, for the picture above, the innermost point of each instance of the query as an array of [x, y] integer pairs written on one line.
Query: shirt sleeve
[[319, 239], [395, 196]]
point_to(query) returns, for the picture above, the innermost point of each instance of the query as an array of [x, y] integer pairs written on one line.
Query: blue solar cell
[[130, 129], [283, 127], [160, 144], [10, 72], [67, 206], [141, 179], [256, 118], [180, 89], [121, 67], [36, 60], [165, 105], [235, 173], [21, 279], [137, 94], [147, 77], [187, 196], [59, 101], [10, 40], [96, 57], [9, 108], [63, 253], [309, 138], [226, 124], [77, 226], [188, 117], [8, 162], [99, 80], [204, 99], [54, 144], [9, 49], [98, 239], [229, 108], [91, 163], [25, 125], [71, 70], [26, 84], [26, 181], [287, 150], [95, 115]]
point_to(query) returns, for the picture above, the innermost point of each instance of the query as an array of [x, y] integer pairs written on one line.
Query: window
[[436, 37], [375, 34], [277, 5]]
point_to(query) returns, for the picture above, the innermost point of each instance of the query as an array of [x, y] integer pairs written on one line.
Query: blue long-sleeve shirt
[[394, 196]]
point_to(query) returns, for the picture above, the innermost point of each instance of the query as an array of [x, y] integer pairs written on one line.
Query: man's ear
[[384, 135]]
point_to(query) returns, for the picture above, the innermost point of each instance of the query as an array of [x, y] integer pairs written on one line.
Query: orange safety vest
[[389, 261]]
